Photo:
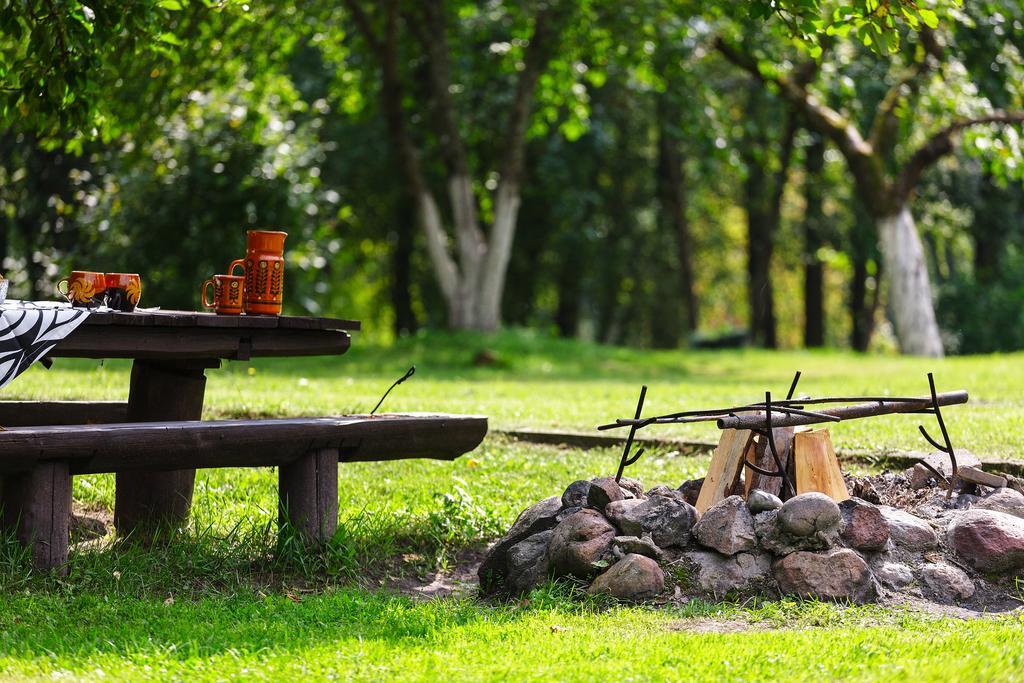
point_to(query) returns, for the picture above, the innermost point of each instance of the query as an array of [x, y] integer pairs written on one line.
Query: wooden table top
[[161, 318], [184, 335]]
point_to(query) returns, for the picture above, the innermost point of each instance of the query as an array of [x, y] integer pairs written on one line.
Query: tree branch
[[386, 49], [885, 123], [365, 27], [864, 164], [821, 117], [941, 144], [547, 28]]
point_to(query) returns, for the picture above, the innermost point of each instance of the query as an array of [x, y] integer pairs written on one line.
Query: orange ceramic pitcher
[[264, 271]]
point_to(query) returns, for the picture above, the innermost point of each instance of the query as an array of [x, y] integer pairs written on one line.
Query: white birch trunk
[[506, 211], [445, 269], [910, 292]]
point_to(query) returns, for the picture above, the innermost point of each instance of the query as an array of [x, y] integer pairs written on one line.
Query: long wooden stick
[[756, 421]]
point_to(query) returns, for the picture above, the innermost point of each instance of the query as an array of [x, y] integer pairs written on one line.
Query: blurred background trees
[[657, 173]]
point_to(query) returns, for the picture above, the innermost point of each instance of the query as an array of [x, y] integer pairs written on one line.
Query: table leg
[[146, 502]]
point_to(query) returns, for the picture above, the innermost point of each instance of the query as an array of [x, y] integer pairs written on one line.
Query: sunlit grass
[[542, 382], [225, 598]]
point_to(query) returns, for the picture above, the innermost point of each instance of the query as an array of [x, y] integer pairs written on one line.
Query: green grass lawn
[[224, 600]]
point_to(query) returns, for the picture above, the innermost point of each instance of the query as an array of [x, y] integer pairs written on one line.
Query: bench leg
[[308, 495], [146, 502], [37, 506]]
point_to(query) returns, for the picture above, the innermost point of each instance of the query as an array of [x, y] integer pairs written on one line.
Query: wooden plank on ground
[[817, 467], [725, 467]]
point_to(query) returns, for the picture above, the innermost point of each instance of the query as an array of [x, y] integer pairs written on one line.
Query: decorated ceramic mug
[[84, 288], [263, 266], [123, 291], [228, 293]]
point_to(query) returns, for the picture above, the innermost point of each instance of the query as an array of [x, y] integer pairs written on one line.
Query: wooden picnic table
[[171, 351]]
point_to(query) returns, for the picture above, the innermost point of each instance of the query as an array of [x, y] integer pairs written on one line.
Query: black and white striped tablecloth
[[28, 330]]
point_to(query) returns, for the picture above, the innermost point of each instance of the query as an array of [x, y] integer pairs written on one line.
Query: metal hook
[[408, 373], [769, 435], [625, 461], [948, 447]]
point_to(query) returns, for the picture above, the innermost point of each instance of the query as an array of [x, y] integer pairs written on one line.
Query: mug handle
[[65, 293], [202, 294], [237, 263]]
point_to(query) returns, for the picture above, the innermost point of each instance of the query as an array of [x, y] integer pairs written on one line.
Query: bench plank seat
[[121, 447], [37, 463]]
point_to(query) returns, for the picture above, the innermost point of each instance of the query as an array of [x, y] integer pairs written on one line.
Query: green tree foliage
[[653, 173]]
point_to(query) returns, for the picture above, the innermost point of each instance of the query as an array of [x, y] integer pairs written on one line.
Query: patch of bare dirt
[[408, 576], [717, 625]]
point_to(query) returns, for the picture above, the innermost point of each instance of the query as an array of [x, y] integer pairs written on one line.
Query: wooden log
[[725, 467], [757, 419], [974, 475], [148, 502], [37, 507], [161, 446], [308, 496], [762, 457], [817, 467], [34, 413]]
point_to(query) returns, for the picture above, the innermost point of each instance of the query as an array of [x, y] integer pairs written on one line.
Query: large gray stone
[[810, 521], [576, 493], [837, 574], [634, 577], [534, 519], [528, 563], [895, 574], [578, 542], [864, 527], [603, 490], [908, 531], [644, 545], [947, 583], [667, 491], [719, 574], [809, 514], [727, 526], [631, 488], [991, 541], [761, 501], [690, 490], [1003, 500], [667, 520]]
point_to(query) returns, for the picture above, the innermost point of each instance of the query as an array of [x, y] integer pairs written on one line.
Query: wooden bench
[[37, 462]]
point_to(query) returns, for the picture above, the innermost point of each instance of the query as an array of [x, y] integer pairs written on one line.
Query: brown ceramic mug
[[228, 293], [84, 288], [123, 291]]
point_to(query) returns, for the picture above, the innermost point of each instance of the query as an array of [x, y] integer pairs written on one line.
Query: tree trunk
[[910, 293], [672, 201], [503, 230], [401, 268], [862, 248], [814, 219], [567, 314]]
